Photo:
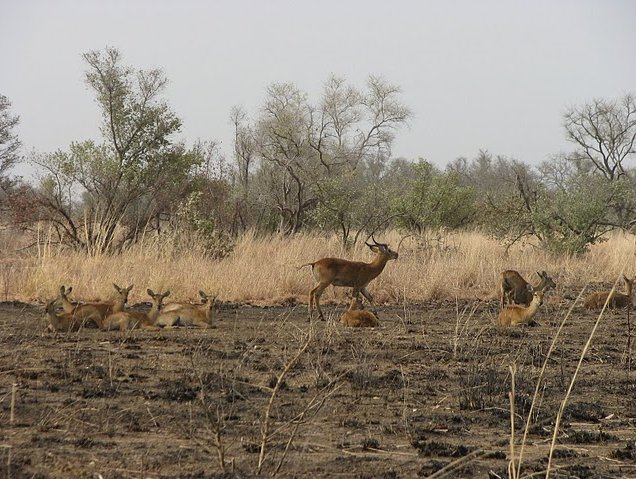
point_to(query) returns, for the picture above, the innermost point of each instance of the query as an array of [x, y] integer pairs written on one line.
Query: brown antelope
[[174, 306], [354, 274], [516, 290], [61, 322], [514, 314], [616, 300], [125, 320], [357, 317], [198, 316], [96, 312]]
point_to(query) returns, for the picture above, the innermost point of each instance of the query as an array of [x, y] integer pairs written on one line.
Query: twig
[[453, 466], [512, 473], [14, 387], [300, 418], [575, 375], [272, 398], [540, 379]]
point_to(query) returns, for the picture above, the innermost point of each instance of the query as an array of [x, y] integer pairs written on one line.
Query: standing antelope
[[354, 274], [96, 312], [357, 317], [64, 322], [616, 300], [198, 316], [514, 314], [125, 320], [517, 290]]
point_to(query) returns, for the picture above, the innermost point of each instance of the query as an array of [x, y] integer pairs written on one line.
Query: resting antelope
[[62, 322], [198, 316], [517, 290], [125, 320], [354, 274], [514, 314], [616, 300], [95, 311], [174, 306], [357, 317]]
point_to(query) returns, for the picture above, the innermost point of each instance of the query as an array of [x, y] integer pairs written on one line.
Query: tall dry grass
[[265, 270]]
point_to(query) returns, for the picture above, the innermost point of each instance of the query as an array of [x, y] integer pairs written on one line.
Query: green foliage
[[189, 222], [350, 204], [9, 141], [432, 199], [572, 219]]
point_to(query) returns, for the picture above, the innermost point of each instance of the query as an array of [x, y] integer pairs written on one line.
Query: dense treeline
[[308, 164]]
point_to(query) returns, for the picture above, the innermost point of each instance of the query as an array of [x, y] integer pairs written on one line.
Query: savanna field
[[437, 390], [187, 288]]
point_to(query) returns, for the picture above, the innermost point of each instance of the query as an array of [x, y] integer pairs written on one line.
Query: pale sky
[[493, 75]]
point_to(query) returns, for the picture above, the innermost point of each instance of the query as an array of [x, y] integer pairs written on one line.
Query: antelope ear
[[129, 288], [117, 288], [150, 292], [166, 294], [203, 294], [69, 289]]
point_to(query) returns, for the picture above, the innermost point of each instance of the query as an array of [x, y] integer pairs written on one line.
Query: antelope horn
[[376, 243]]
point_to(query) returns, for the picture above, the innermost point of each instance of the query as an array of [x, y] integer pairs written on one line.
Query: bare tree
[[604, 132], [245, 158], [300, 145]]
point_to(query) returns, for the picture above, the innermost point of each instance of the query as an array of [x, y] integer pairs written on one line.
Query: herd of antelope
[[519, 299], [112, 315]]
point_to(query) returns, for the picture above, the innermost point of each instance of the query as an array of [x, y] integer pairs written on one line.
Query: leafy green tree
[[354, 204], [102, 196], [9, 141], [433, 199], [570, 220]]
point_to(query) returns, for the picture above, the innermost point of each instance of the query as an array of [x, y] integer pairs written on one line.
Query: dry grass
[[265, 270]]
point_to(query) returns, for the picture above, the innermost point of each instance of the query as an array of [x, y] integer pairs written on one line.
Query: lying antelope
[[96, 312], [516, 290], [198, 316], [174, 306], [354, 274], [357, 317], [514, 314], [64, 322], [616, 300], [125, 320]]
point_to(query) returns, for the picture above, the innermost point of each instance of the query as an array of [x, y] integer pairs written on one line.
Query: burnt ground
[[428, 389]]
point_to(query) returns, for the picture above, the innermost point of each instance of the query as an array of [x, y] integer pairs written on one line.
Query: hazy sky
[[495, 75]]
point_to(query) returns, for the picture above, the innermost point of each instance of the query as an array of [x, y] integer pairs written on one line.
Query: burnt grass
[[399, 401]]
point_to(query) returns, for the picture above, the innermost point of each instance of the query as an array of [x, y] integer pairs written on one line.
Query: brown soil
[[429, 387]]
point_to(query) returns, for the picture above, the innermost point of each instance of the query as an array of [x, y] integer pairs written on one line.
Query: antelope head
[[382, 249]]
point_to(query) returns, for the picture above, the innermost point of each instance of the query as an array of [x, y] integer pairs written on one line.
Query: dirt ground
[[428, 391]]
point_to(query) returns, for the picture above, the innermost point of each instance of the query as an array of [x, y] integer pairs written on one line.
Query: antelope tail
[[303, 265]]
